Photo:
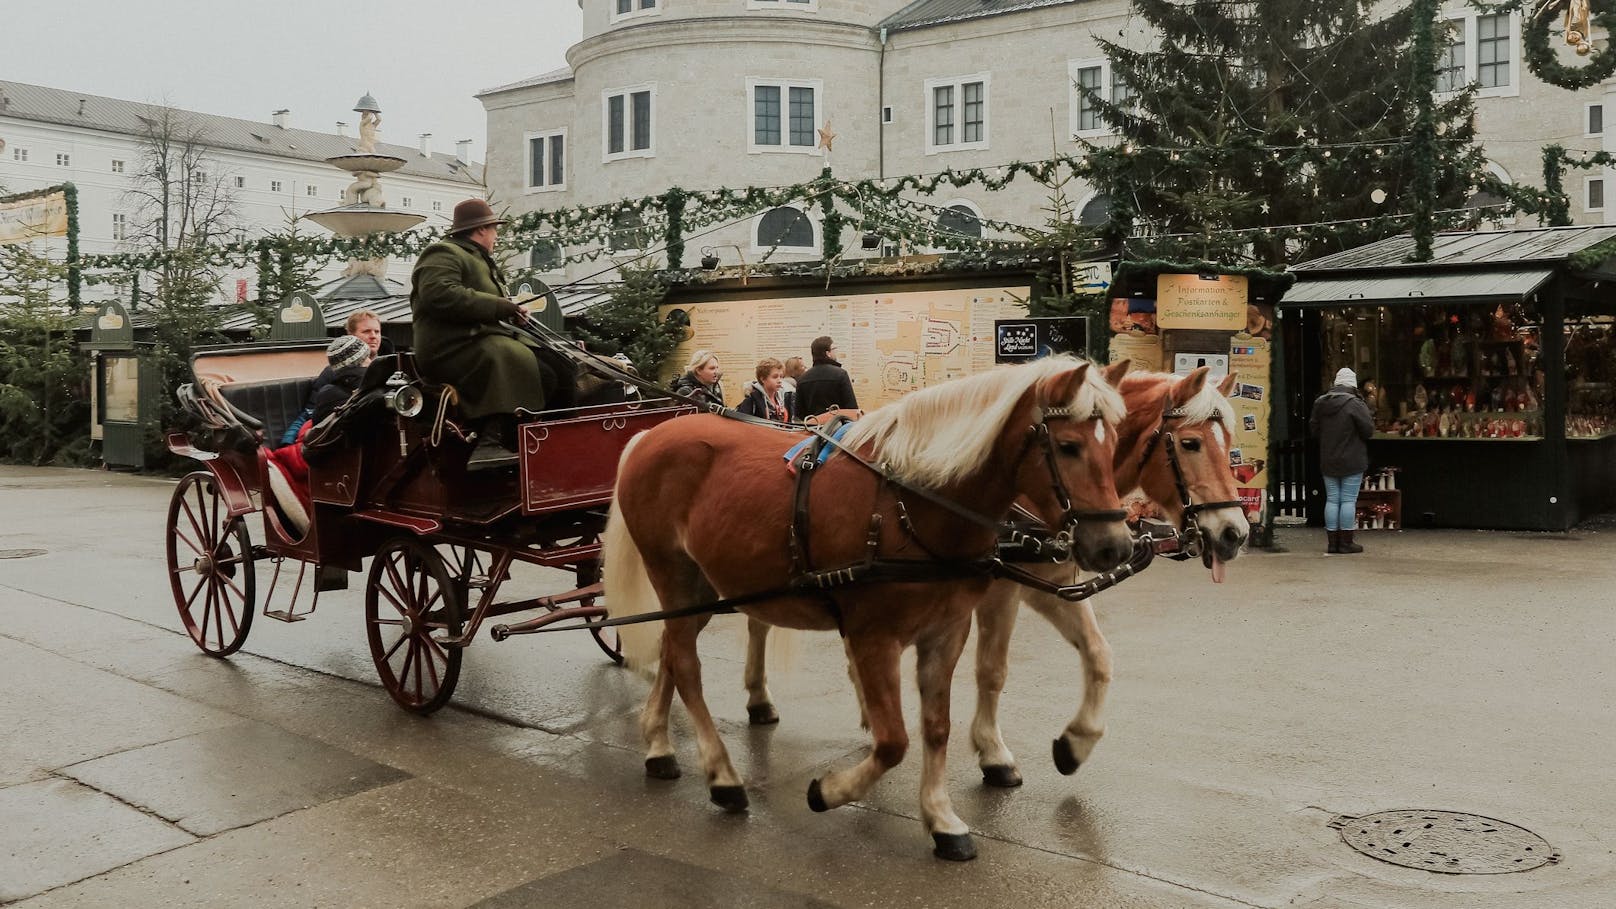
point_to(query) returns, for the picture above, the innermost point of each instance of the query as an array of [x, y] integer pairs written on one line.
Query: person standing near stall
[[1342, 424]]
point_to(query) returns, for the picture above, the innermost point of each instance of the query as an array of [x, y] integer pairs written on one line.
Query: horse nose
[[1233, 537], [1113, 552]]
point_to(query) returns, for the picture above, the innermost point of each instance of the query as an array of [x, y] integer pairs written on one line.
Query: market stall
[[1489, 371]]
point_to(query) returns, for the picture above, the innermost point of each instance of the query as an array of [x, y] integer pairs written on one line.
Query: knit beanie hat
[[1346, 377], [346, 351]]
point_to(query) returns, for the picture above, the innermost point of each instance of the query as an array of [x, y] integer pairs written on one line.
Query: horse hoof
[[1066, 760], [729, 798], [662, 767], [762, 714], [954, 847], [1001, 776], [816, 797]]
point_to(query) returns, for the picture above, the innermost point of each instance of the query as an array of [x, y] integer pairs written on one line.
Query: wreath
[[1543, 61]]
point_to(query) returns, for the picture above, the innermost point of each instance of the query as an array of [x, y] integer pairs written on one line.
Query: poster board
[[34, 217], [890, 343], [1250, 360], [1204, 301]]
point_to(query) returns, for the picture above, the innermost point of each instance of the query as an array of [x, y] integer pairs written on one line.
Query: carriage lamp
[[403, 398]]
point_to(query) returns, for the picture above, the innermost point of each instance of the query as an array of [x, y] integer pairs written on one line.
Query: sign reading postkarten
[[1202, 301], [33, 218]]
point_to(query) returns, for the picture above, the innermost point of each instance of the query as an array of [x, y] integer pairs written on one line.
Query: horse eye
[[1070, 449], [1192, 444]]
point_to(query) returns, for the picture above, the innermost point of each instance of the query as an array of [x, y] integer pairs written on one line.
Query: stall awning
[[1457, 287]]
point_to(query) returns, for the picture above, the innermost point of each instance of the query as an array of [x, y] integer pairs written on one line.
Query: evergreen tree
[[44, 399], [1260, 113], [628, 323]]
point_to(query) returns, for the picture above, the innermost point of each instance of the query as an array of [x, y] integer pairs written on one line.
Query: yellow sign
[[22, 220], [1201, 301], [110, 320]]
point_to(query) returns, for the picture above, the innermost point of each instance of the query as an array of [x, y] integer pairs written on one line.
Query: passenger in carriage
[[349, 357], [465, 331], [367, 327]]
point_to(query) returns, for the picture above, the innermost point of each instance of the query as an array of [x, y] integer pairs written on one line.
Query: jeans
[[1341, 502]]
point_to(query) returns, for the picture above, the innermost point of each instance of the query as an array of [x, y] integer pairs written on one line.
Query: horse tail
[[628, 585]]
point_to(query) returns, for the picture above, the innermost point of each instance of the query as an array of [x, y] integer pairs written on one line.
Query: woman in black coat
[[767, 398], [700, 380], [1342, 423]]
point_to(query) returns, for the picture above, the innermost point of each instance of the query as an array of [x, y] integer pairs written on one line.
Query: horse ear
[[1189, 386], [1062, 387], [1115, 372], [1227, 385]]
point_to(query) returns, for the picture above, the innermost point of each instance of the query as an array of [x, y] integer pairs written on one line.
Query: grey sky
[[245, 58]]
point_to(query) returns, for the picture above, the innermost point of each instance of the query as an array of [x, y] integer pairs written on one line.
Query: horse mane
[[1199, 409], [938, 435]]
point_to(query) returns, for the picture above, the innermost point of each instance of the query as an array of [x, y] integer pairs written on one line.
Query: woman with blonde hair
[[700, 381]]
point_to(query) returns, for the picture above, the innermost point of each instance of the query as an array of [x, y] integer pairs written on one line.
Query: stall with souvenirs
[[1489, 372]]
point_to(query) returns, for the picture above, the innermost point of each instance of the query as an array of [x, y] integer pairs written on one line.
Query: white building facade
[[708, 93], [272, 171]]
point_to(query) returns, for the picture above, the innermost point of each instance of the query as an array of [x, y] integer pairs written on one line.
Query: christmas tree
[[1247, 117]]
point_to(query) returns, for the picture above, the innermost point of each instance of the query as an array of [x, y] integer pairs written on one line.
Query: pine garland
[[1545, 63]]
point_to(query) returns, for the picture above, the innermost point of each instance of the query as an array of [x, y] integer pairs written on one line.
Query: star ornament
[[827, 137]]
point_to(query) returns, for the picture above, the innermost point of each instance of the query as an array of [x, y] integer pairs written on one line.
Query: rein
[[1189, 529]]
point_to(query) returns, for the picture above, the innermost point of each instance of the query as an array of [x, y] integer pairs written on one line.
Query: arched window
[[787, 227], [1097, 213], [628, 232], [959, 220], [1490, 203], [545, 256]]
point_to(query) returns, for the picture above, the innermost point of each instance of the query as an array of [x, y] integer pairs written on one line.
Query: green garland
[[673, 202], [75, 274], [1544, 62]]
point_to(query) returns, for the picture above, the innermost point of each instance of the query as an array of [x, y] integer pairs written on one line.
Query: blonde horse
[[704, 507]]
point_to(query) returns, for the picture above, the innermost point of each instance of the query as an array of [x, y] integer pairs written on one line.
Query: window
[[628, 125], [624, 9], [274, 186], [959, 221], [199, 177], [1096, 76], [628, 232], [437, 205], [808, 6], [957, 113], [64, 160], [547, 161], [1096, 212], [241, 183], [117, 166], [1483, 49], [545, 256], [1595, 193], [312, 190], [408, 202], [787, 227], [120, 224], [19, 154], [1595, 120], [785, 115]]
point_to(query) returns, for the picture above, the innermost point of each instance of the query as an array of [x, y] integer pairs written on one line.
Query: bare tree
[[181, 201]]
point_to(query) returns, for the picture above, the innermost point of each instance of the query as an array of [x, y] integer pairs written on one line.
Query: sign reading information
[[40, 216], [1201, 301]]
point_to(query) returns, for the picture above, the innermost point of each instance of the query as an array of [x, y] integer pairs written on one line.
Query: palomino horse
[[704, 506], [1193, 413]]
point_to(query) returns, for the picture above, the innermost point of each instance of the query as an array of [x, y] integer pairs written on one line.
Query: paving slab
[[225, 778], [56, 832], [632, 877]]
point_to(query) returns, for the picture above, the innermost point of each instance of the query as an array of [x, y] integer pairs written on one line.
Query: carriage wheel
[[410, 603], [610, 643], [210, 566]]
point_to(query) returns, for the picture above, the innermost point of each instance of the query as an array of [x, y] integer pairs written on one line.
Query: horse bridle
[[1070, 516], [1189, 528]]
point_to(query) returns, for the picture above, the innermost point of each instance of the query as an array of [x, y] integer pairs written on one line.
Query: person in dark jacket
[[1342, 423], [767, 398], [826, 385], [700, 380], [349, 357]]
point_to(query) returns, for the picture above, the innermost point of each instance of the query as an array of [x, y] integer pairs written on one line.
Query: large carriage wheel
[[410, 604], [210, 566], [610, 644]]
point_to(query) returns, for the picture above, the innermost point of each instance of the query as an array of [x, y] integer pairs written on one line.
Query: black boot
[[1344, 543], [1335, 541]]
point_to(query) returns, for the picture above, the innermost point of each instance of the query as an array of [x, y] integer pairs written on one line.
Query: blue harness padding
[[824, 453]]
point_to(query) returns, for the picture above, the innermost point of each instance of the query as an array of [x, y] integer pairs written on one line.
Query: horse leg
[[876, 672], [759, 703], [937, 652], [684, 667], [852, 676], [995, 621], [1076, 622], [660, 762]]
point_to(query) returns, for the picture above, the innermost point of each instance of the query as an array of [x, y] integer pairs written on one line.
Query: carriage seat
[[276, 403]]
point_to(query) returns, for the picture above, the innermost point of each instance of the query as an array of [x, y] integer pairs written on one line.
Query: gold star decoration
[[827, 136]]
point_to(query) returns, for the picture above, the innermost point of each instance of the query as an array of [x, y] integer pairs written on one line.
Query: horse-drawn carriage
[[390, 478]]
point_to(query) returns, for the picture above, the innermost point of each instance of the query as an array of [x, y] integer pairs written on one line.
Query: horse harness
[[1189, 529]]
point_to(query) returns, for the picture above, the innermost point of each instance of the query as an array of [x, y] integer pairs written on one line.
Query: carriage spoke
[[195, 525], [432, 664], [230, 612], [387, 621], [394, 600], [232, 585], [204, 526], [436, 648], [187, 540], [409, 657], [388, 657], [219, 607], [201, 583], [207, 614], [419, 659]]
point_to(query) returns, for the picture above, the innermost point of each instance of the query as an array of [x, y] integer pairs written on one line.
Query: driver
[[465, 335]]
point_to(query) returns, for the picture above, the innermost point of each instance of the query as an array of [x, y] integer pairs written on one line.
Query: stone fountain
[[364, 210]]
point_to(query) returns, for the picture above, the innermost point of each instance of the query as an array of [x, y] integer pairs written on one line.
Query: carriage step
[[490, 459], [282, 615]]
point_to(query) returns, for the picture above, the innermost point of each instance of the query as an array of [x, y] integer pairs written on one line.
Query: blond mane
[[1199, 409], [938, 435]]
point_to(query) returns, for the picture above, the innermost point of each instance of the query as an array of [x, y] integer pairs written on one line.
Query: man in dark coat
[[463, 330], [826, 384], [1342, 423]]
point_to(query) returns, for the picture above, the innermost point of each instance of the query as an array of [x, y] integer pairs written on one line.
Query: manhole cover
[[1450, 842], [20, 553]]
